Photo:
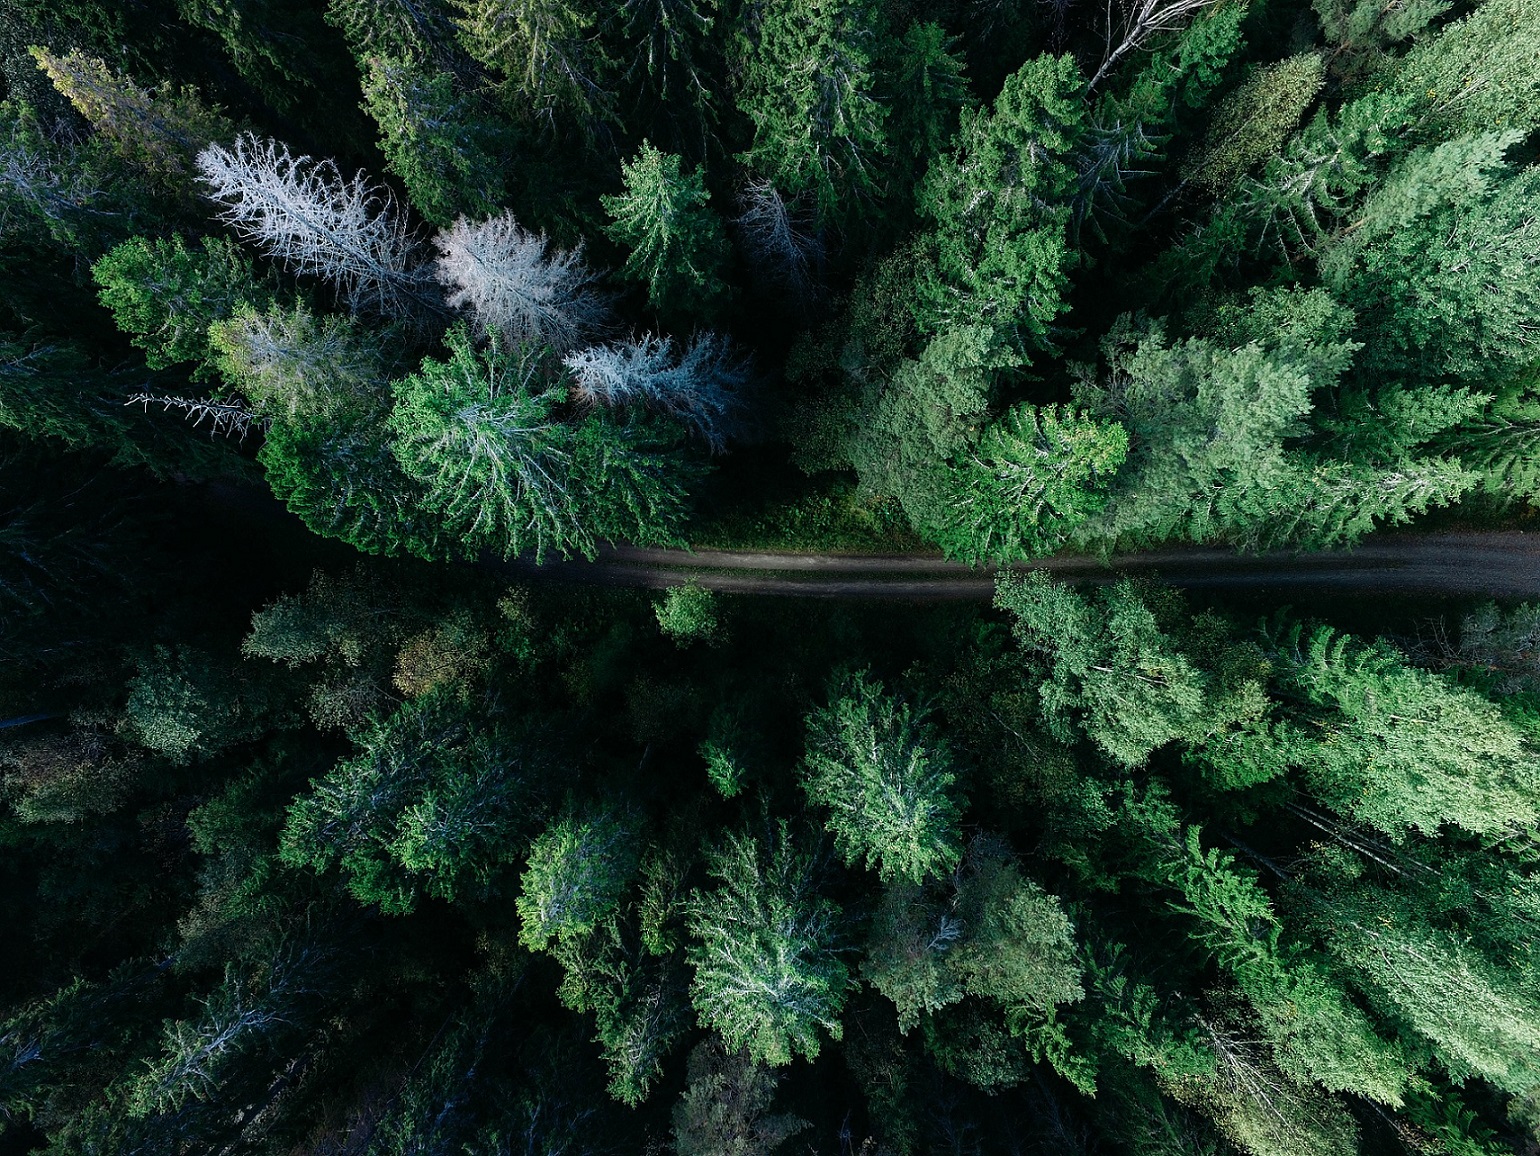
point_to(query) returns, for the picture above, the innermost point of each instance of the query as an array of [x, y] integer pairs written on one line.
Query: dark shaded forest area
[[317, 837]]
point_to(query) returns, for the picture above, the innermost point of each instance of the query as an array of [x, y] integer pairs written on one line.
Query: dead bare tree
[[776, 236], [702, 385], [305, 213], [1130, 26], [223, 417], [520, 284]]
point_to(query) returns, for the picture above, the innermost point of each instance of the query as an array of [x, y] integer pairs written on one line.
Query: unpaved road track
[[1499, 564], [1491, 563]]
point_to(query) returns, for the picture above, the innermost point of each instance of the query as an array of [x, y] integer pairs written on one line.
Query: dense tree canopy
[[331, 825]]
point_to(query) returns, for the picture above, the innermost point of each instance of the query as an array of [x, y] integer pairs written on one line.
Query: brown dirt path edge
[[1497, 564]]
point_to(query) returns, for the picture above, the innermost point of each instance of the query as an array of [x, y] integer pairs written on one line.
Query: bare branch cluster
[[516, 282], [775, 235], [223, 417], [703, 386], [307, 214]]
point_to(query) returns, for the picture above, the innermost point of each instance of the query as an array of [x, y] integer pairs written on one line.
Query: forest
[[331, 826]]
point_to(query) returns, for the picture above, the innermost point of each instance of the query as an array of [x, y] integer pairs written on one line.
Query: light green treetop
[[886, 778], [766, 973], [677, 244]]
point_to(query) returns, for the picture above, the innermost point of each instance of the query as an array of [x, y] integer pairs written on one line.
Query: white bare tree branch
[[1136, 23], [305, 213], [516, 282], [223, 417], [703, 387]]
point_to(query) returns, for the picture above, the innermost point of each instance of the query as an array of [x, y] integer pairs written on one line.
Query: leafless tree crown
[[307, 214], [516, 282], [776, 236], [702, 386]]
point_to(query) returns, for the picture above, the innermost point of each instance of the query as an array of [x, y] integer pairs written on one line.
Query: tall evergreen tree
[[1035, 476], [447, 151], [158, 133], [884, 776], [168, 296], [480, 434], [766, 974], [1401, 748], [551, 66], [809, 86], [676, 243], [999, 196]]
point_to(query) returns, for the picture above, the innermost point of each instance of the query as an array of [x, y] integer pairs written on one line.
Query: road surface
[[1498, 564]]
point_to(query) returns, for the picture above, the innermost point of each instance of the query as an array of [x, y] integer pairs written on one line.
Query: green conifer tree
[[809, 86], [1035, 476], [999, 197], [676, 243], [479, 434], [1113, 672], [447, 152], [1401, 748], [577, 870], [552, 68], [158, 133], [886, 779], [167, 296], [766, 974]]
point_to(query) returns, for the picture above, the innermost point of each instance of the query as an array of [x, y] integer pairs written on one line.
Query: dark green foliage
[[185, 704], [157, 133], [1362, 32], [1442, 264], [551, 68], [930, 89], [1017, 946], [426, 806], [674, 66], [1114, 674], [1284, 953], [1214, 426], [1252, 122], [724, 1108], [1404, 748], [53, 393], [809, 87], [577, 869], [997, 937], [1035, 476], [1503, 446], [284, 50], [479, 434], [168, 296], [344, 482], [436, 140], [501, 471]]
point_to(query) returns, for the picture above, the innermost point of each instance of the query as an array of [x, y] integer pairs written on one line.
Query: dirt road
[[1497, 564]]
